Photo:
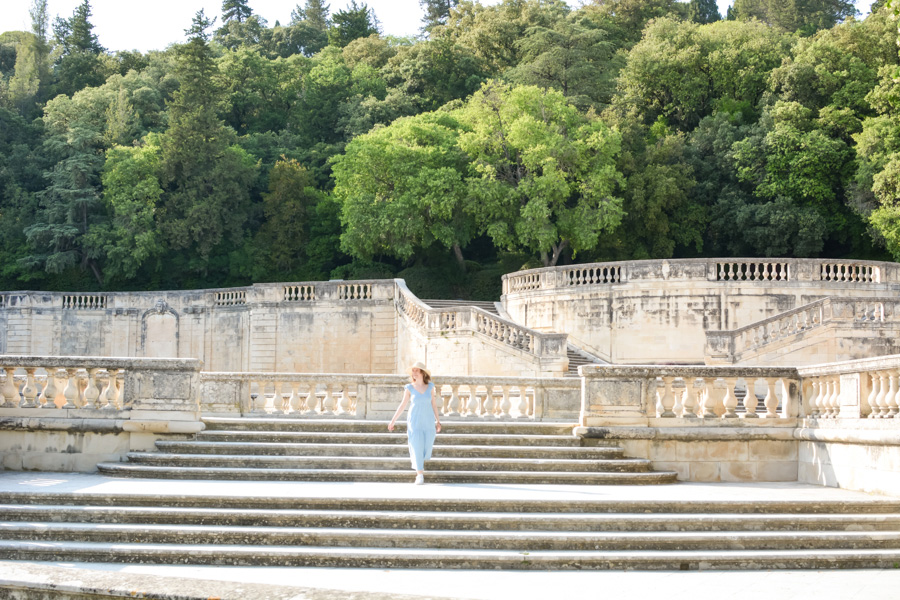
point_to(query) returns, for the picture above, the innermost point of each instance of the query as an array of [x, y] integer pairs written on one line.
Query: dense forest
[[517, 135]]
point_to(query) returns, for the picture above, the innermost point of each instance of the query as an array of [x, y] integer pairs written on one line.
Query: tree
[[703, 11], [235, 10], [79, 64], [625, 20], [545, 174], [204, 175], [437, 12], [573, 56], [806, 16], [356, 21], [681, 70], [402, 189], [289, 207], [315, 13]]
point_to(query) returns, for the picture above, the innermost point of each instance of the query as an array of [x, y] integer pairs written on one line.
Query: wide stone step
[[466, 439], [845, 508], [253, 555], [384, 475], [358, 426], [444, 520], [393, 450], [113, 533], [629, 465]]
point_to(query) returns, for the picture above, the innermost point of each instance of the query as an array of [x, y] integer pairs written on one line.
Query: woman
[[423, 421]]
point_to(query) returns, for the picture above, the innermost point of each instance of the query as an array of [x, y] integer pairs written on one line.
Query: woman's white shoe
[[420, 479]]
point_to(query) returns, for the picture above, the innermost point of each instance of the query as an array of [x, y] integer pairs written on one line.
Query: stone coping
[[694, 371], [81, 362], [804, 431], [393, 380]]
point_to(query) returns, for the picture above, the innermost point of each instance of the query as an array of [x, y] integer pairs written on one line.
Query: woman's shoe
[[420, 479]]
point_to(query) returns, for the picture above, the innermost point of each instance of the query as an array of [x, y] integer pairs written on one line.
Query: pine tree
[[315, 13], [436, 12], [235, 10], [78, 65], [704, 11], [356, 21]]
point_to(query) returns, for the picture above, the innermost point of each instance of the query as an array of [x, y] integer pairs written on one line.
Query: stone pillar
[[610, 397]]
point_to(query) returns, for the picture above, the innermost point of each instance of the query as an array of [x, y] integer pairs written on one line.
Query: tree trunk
[[460, 261], [545, 259], [557, 252]]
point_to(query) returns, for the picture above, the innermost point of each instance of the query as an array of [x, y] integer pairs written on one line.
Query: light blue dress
[[420, 426]]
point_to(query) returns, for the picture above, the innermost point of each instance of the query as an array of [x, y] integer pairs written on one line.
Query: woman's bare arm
[[400, 410]]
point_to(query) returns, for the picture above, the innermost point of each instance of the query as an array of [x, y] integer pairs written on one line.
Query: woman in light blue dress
[[423, 421]]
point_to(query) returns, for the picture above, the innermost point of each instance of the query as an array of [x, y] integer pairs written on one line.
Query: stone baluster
[[92, 392], [892, 402], [879, 402], [691, 402], [506, 404], [328, 403], [279, 405], [522, 406], [10, 391], [29, 390], [115, 392], [771, 400], [454, 408], [812, 405], [259, 405], [834, 405], [707, 401], [71, 391], [873, 391], [443, 400], [730, 400], [344, 403], [294, 399], [312, 401], [826, 392], [103, 400], [884, 402], [750, 400], [48, 395], [667, 399]]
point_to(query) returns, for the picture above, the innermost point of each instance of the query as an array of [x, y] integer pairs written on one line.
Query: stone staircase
[[348, 450], [483, 533], [576, 358]]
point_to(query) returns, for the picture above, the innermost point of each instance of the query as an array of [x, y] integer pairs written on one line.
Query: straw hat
[[420, 366]]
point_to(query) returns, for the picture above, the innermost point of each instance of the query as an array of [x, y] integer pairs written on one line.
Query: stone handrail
[[733, 345], [358, 396], [478, 321], [743, 270], [101, 385]]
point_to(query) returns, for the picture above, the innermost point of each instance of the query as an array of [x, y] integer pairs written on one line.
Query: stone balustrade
[[469, 320], [741, 344], [327, 395], [702, 269], [639, 395], [859, 389]]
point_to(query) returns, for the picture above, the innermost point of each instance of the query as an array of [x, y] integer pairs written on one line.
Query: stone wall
[[659, 312]]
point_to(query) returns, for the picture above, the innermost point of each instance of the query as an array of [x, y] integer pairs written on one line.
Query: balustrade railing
[[84, 302], [481, 322], [867, 388], [329, 395], [231, 298], [299, 293], [752, 270], [57, 387], [355, 291]]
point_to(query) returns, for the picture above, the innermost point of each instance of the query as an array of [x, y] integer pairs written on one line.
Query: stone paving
[[250, 583]]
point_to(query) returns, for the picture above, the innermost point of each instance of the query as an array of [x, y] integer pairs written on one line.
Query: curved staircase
[[344, 450]]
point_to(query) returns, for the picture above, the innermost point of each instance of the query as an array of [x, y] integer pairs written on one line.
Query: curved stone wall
[[659, 311]]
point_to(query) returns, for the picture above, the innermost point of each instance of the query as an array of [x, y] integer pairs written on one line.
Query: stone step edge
[[200, 554], [435, 461], [274, 474], [370, 537], [876, 507], [453, 447]]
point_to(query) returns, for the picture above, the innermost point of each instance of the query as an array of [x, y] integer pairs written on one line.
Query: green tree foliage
[[79, 64], [806, 16], [492, 33], [545, 174], [354, 22], [574, 57], [680, 70], [205, 175], [625, 20], [235, 10], [437, 12], [703, 11], [314, 12], [403, 189]]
